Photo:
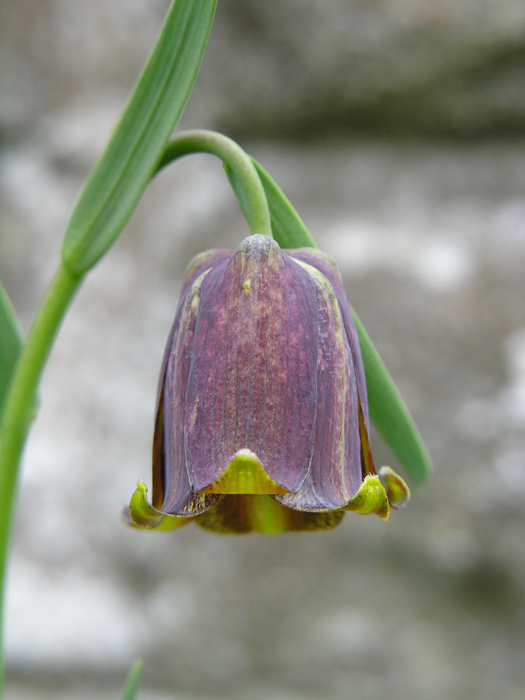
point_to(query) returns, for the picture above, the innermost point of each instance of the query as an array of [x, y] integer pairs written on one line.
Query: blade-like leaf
[[387, 409], [129, 692], [389, 413], [136, 146], [10, 344]]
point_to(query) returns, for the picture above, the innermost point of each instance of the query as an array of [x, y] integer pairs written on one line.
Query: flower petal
[[199, 264], [243, 514], [335, 474], [367, 462], [172, 489], [244, 474], [396, 487], [253, 377], [141, 514], [326, 264], [371, 498]]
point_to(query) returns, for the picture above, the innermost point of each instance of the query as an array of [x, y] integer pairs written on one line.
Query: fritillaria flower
[[262, 414]]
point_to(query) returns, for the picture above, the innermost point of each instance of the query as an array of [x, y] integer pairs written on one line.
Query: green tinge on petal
[[143, 515], [396, 488], [240, 514], [268, 516], [371, 498], [244, 474]]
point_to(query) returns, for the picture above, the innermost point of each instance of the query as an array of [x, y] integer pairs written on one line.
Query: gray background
[[397, 129]]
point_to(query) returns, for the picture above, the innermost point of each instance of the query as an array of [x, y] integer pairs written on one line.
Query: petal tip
[[245, 475], [141, 514], [371, 498], [396, 488]]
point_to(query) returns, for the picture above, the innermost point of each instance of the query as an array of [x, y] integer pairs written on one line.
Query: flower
[[262, 413]]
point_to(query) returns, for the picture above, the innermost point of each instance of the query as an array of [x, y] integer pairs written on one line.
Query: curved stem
[[254, 202], [19, 409]]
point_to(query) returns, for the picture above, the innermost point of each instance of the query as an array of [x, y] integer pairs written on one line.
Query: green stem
[[19, 409], [252, 192]]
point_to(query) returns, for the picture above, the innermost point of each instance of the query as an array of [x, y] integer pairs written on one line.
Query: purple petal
[[202, 262], [325, 264], [170, 476], [252, 382], [199, 264], [335, 474]]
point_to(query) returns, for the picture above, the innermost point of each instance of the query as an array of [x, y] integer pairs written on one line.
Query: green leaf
[[388, 411], [11, 342], [129, 692], [136, 146]]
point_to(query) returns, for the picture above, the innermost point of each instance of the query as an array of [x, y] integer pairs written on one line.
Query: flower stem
[[252, 197], [20, 407]]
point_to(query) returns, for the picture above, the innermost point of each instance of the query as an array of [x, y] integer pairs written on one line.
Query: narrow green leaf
[[11, 342], [137, 144], [388, 411], [129, 692]]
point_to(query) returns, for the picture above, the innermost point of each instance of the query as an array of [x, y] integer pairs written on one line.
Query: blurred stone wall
[[294, 68], [430, 237]]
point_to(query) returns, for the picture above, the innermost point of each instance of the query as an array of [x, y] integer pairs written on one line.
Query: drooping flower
[[262, 413]]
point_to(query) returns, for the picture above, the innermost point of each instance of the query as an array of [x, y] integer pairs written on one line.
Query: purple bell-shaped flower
[[262, 414]]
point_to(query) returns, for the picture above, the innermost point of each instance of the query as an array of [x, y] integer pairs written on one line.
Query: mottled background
[[397, 129]]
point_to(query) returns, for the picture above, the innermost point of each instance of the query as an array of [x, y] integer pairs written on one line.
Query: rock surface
[[291, 68]]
